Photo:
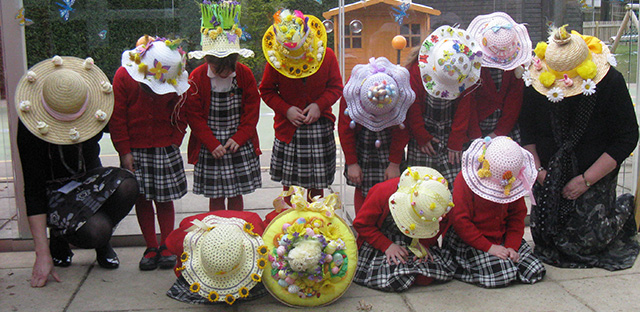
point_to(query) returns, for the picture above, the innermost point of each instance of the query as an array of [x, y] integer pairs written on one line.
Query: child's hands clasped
[[231, 146], [397, 254], [295, 116], [504, 253], [312, 113], [219, 152]]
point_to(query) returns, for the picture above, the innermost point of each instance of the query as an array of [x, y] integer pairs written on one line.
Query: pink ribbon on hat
[[527, 184], [62, 116]]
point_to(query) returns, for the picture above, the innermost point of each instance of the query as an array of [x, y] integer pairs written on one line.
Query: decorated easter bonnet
[[505, 44], [498, 169], [220, 31], [449, 62], [417, 207], [312, 252], [569, 64], [223, 258], [64, 100], [295, 44], [378, 94], [159, 64]]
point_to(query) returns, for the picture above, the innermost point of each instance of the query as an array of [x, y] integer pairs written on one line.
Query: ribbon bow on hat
[[496, 28]]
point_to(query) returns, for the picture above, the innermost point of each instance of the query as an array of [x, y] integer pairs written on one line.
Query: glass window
[[412, 33]]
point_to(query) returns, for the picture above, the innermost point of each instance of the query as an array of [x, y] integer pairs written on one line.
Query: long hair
[[227, 63]]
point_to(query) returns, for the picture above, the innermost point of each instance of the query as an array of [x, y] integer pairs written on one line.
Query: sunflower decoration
[[263, 250], [195, 287], [184, 257], [256, 277], [248, 227], [244, 292], [213, 296], [229, 299], [262, 263]]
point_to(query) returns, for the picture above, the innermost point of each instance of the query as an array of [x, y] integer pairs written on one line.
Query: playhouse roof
[[362, 4]]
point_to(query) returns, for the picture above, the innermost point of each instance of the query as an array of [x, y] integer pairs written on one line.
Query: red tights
[[145, 214], [234, 203]]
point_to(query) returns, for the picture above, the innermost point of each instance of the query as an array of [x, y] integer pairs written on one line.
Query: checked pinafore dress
[[375, 272], [234, 173], [438, 118]]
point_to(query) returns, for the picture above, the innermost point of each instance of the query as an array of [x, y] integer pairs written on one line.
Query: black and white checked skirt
[[229, 176], [438, 118], [180, 291], [372, 160], [309, 160], [375, 272], [160, 173], [481, 268], [490, 123]]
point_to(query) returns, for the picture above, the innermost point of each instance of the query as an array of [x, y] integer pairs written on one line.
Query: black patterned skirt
[[229, 176], [180, 291], [601, 232], [372, 160], [484, 269], [73, 201], [309, 160], [160, 173], [375, 272]]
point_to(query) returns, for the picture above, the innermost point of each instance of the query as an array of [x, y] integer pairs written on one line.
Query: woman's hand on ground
[[42, 268]]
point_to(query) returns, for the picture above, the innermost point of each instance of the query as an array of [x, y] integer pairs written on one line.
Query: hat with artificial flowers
[[568, 64], [449, 62], [64, 100], [159, 64], [505, 44], [312, 252], [378, 94], [220, 29], [295, 44], [223, 258], [498, 169]]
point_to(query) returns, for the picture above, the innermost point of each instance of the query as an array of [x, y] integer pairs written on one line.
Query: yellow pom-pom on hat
[[540, 50], [547, 79], [587, 70]]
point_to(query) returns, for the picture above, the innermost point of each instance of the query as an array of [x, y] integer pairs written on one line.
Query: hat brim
[[476, 29], [224, 284], [201, 54], [340, 287], [87, 124], [431, 80], [158, 87], [296, 68], [398, 203], [490, 189]]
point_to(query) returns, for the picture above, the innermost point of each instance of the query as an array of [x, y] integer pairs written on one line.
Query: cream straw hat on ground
[[223, 258], [449, 62], [421, 200], [505, 44], [159, 64], [378, 94], [64, 100], [498, 169], [569, 64]]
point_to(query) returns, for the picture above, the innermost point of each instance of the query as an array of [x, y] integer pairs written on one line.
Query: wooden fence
[[605, 30]]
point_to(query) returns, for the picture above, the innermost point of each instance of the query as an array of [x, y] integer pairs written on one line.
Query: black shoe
[[61, 253], [149, 263], [166, 262], [107, 257]]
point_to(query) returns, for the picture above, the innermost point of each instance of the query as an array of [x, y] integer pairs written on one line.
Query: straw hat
[[64, 100], [449, 62], [159, 64], [569, 64], [505, 44], [312, 252], [378, 94], [296, 44], [421, 200], [498, 169], [220, 31], [223, 258]]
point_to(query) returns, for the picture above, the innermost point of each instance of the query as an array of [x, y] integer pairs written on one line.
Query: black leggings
[[99, 227]]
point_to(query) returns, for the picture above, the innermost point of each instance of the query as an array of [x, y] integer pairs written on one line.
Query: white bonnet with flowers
[[159, 64]]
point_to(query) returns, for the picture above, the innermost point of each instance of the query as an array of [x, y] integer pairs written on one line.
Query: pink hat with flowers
[[498, 169], [505, 44]]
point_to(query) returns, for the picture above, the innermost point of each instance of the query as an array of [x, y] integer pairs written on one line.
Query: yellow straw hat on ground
[[223, 258], [312, 252], [64, 100], [295, 44], [569, 64]]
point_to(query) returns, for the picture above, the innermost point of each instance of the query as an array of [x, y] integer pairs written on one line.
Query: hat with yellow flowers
[[220, 30], [295, 44]]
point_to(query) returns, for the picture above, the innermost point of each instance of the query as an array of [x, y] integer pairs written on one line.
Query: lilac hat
[[505, 44], [378, 94]]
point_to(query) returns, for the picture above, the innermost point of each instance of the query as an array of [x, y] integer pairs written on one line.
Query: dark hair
[[223, 64]]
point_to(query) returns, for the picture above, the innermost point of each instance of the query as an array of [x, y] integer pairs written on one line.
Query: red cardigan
[[324, 88], [399, 138], [373, 212], [199, 104], [141, 119], [175, 240], [415, 121], [482, 223], [488, 99]]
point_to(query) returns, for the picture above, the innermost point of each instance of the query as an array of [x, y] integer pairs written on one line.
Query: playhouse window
[[412, 33], [352, 40]]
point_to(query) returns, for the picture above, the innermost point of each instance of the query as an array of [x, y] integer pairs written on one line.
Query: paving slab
[[561, 274], [380, 302], [611, 293]]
